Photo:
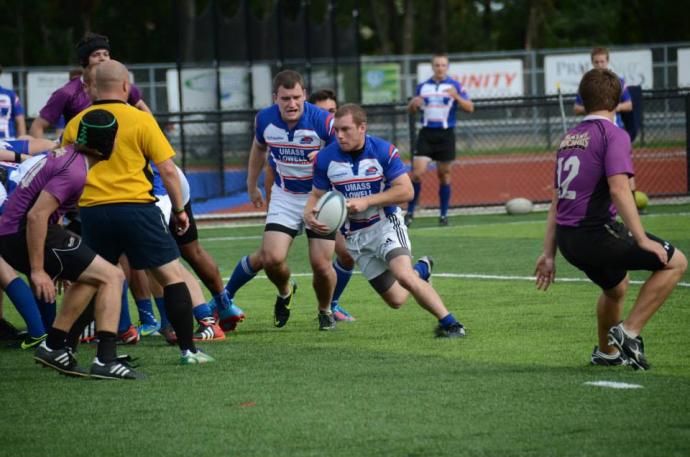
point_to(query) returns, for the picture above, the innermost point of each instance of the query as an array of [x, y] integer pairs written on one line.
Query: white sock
[[628, 332], [604, 355]]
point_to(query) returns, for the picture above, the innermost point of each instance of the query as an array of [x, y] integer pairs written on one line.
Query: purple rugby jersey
[[62, 174], [71, 99], [587, 156]]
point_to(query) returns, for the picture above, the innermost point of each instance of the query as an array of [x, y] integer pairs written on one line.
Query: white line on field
[[502, 223], [613, 384], [490, 277]]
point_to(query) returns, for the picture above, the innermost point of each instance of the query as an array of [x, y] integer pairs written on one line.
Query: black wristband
[[17, 157]]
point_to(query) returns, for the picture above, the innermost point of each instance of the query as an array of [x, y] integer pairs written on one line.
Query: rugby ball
[[519, 206], [331, 210], [184, 186]]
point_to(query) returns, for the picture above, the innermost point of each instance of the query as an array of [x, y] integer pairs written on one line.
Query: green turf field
[[383, 386]]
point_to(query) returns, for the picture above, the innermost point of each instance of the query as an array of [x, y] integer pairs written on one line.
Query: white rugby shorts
[[286, 209], [370, 246], [165, 204]]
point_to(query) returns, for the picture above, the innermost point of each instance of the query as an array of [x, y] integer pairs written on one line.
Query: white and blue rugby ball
[[519, 206], [331, 210]]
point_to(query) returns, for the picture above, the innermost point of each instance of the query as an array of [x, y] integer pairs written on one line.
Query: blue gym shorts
[[138, 230]]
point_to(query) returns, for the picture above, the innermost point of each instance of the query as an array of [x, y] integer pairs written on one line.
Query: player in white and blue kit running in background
[[12, 119], [438, 98], [291, 130], [368, 171]]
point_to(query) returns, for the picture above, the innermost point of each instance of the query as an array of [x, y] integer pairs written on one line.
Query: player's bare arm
[[310, 213], [257, 160], [141, 105], [399, 192], [36, 232], [11, 156], [578, 109], [624, 107], [38, 127], [545, 270], [621, 194], [465, 105], [415, 104], [20, 122]]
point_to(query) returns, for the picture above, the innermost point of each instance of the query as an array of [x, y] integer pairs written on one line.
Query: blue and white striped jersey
[[368, 173], [289, 149], [439, 109]]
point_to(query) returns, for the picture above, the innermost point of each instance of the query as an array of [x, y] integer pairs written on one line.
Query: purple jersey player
[[368, 171], [72, 98], [592, 186], [33, 242]]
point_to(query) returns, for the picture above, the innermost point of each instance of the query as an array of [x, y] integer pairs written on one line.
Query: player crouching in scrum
[[368, 171], [594, 165], [33, 242]]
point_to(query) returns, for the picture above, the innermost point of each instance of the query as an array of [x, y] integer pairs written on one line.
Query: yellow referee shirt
[[126, 177]]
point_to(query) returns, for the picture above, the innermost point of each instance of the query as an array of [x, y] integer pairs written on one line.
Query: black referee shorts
[[437, 144], [192, 234], [605, 253]]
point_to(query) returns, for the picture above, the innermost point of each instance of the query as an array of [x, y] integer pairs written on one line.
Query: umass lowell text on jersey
[[359, 175]]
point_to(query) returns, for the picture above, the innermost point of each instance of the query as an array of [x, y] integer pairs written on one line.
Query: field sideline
[[383, 386]]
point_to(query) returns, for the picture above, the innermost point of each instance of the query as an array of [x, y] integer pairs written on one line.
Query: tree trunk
[[188, 14], [381, 25], [408, 28], [534, 19], [442, 26], [487, 22], [19, 16]]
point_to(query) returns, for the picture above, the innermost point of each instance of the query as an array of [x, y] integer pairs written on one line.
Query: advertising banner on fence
[[567, 69], [40, 85], [380, 83], [199, 88], [684, 67], [483, 78]]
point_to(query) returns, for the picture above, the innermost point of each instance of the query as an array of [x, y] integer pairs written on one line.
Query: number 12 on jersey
[[567, 171]]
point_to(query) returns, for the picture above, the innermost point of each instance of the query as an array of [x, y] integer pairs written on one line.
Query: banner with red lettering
[[483, 78]]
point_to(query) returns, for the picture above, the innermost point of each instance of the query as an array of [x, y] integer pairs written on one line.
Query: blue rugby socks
[[160, 304], [417, 186], [23, 299], [241, 275], [125, 319], [444, 198], [145, 309], [343, 276]]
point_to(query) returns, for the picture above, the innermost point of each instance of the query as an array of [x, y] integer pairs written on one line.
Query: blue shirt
[[439, 109], [369, 173], [625, 97], [289, 149], [10, 108]]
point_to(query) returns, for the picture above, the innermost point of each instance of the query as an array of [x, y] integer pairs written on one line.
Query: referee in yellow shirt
[[118, 210]]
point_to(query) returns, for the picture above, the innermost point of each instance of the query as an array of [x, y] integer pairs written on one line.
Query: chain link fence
[[505, 148]]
